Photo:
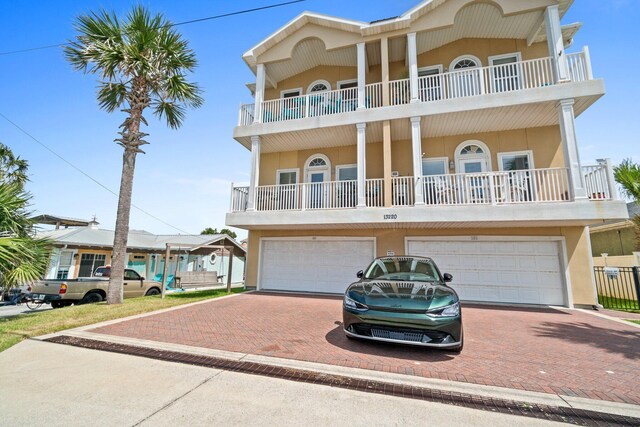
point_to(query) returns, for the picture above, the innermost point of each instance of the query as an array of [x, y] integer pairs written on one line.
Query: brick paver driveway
[[554, 351]]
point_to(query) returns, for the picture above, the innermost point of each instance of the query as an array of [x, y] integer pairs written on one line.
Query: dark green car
[[404, 300]]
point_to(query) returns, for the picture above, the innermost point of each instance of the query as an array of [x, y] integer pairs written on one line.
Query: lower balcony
[[500, 198]]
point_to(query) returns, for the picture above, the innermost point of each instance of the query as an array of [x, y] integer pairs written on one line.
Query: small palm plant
[[627, 174], [141, 63], [23, 257]]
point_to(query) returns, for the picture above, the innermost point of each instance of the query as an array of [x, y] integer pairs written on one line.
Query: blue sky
[[185, 177]]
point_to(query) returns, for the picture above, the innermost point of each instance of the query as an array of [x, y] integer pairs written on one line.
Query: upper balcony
[[465, 83], [520, 94]]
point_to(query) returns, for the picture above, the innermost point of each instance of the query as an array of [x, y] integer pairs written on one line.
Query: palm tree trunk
[[115, 293]]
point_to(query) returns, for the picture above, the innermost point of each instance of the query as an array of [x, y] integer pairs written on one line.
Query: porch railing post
[[636, 282]]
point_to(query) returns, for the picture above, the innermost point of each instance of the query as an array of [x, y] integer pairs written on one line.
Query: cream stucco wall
[[576, 242], [545, 142], [481, 48]]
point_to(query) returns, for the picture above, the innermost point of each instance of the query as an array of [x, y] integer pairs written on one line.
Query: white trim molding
[[324, 168], [279, 171], [528, 153], [487, 154], [288, 91], [346, 166]]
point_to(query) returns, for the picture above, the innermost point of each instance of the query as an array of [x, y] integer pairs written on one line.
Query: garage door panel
[[498, 270], [313, 265]]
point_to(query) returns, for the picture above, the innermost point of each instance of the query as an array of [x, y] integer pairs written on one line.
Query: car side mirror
[[141, 278], [447, 277], [360, 274]]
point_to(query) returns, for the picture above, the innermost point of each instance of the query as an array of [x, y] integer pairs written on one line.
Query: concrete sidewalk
[[58, 385]]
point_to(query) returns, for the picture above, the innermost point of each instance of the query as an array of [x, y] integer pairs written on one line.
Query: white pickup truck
[[87, 290]]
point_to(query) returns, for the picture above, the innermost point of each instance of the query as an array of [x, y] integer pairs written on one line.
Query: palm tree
[[12, 168], [23, 258], [627, 174], [141, 63]]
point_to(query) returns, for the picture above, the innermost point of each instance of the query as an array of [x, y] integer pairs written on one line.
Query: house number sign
[[391, 216]]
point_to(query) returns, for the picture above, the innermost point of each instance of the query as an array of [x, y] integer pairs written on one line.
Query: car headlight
[[354, 305], [452, 310]]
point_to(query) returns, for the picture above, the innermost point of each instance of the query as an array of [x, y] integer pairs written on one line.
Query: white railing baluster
[[467, 82]]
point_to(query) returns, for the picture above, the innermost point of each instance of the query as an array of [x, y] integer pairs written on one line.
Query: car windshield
[[404, 269]]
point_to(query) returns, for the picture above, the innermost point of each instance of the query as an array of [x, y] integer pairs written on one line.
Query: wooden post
[[229, 271], [166, 269]]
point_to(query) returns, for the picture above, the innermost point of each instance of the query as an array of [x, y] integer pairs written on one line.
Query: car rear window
[[102, 272]]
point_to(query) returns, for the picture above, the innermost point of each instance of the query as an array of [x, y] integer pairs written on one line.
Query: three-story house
[[448, 132]]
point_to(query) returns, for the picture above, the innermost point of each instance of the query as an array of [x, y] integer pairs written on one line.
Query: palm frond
[[627, 174], [111, 95], [172, 112]]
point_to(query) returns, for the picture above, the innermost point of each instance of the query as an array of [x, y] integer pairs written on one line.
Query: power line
[[209, 18], [86, 174]]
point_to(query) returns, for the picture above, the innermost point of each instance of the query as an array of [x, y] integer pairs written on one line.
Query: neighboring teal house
[[79, 250]]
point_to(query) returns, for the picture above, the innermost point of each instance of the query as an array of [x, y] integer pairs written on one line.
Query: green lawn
[[613, 303], [633, 321], [15, 329]]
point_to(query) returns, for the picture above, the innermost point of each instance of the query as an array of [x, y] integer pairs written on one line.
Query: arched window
[[467, 77], [472, 157], [317, 161], [465, 61], [319, 86], [472, 149]]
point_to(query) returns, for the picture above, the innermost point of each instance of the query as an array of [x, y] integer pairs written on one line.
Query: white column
[[362, 164], [611, 180], [412, 55], [416, 144], [555, 43], [570, 146], [255, 172], [260, 79], [362, 73]]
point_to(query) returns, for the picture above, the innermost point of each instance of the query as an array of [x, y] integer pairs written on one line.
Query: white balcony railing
[[462, 83], [247, 113], [374, 191], [403, 191], [522, 186], [596, 180], [486, 80], [487, 188]]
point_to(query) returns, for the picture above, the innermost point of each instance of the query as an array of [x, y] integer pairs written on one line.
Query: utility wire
[[224, 15], [86, 174]]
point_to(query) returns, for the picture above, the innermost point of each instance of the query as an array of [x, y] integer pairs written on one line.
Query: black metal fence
[[618, 287]]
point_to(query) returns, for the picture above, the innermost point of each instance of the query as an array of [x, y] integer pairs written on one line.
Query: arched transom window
[[472, 149], [319, 86], [465, 63], [317, 162]]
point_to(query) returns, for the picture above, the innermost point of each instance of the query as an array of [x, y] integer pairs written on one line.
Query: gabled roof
[[60, 220], [363, 28], [88, 237]]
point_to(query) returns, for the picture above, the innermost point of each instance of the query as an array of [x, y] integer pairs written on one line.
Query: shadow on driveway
[[626, 343]]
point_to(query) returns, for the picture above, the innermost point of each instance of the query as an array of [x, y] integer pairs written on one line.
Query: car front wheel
[[153, 291]]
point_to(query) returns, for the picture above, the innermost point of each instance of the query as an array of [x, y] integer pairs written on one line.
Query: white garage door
[[527, 272], [320, 265]]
